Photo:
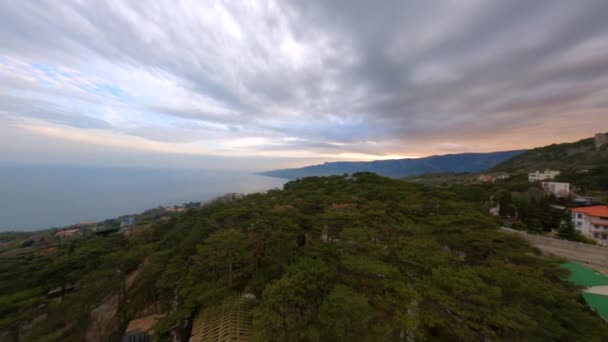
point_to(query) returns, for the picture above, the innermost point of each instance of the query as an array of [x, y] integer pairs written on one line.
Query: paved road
[[600, 290], [594, 256]]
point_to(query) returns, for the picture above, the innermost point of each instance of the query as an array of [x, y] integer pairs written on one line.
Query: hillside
[[360, 258], [464, 162], [579, 155]]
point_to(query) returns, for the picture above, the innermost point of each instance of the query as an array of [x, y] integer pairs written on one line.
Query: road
[[594, 256]]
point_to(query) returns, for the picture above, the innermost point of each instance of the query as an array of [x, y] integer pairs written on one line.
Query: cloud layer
[[301, 79]]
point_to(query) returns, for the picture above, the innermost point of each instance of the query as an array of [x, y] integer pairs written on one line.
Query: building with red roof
[[592, 222]]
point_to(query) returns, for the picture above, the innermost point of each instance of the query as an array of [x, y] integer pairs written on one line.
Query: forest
[[339, 258]]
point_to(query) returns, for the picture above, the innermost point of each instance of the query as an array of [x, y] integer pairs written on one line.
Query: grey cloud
[[504, 26], [404, 72], [13, 107]]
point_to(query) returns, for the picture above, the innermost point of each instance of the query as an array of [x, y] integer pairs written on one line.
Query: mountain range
[[463, 162]]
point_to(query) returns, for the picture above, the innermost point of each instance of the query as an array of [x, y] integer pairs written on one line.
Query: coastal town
[[588, 214], [126, 225]]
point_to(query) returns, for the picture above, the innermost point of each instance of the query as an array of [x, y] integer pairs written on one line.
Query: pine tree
[[566, 227]]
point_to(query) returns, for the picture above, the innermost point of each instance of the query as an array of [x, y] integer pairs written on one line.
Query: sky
[[262, 84]]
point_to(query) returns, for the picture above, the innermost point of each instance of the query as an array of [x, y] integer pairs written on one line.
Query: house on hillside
[[558, 189], [141, 329], [493, 177], [543, 175], [68, 233], [175, 209], [129, 221], [601, 139], [484, 178], [592, 222], [137, 336], [501, 176]]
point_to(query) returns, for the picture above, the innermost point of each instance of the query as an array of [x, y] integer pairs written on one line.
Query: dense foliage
[[579, 155], [339, 258], [593, 181], [94, 266]]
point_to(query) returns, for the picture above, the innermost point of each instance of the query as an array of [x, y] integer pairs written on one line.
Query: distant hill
[[464, 162], [583, 163], [580, 155]]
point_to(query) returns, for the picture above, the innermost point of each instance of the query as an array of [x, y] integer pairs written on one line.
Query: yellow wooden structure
[[228, 322]]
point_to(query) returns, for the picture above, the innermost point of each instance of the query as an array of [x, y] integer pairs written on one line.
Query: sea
[[34, 197]]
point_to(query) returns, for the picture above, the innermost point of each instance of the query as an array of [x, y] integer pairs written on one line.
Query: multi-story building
[[592, 222], [542, 175], [558, 189]]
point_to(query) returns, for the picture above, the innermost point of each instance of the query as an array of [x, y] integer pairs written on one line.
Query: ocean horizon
[[40, 197]]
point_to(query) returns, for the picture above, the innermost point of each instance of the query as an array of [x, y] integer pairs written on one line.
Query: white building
[[542, 175], [592, 222], [502, 176], [558, 189]]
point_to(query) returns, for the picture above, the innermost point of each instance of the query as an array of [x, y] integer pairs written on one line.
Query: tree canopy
[[338, 258]]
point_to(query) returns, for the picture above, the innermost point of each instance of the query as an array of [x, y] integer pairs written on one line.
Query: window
[[579, 215], [578, 223], [596, 235]]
